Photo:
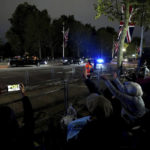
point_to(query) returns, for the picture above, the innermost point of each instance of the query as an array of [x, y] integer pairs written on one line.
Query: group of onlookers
[[118, 117]]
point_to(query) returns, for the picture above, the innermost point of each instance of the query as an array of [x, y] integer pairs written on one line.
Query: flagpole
[[63, 31]]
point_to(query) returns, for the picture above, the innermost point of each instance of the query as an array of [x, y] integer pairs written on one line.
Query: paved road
[[32, 75]]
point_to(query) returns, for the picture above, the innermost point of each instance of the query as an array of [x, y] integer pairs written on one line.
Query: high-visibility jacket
[[88, 68]]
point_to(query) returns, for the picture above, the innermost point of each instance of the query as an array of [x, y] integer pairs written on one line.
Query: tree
[[81, 38], [29, 31], [5, 50], [105, 38], [112, 9], [132, 48]]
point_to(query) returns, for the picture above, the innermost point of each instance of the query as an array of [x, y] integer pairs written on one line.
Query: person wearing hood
[[130, 96]]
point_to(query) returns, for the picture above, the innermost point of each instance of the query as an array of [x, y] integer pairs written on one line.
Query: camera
[[14, 87]]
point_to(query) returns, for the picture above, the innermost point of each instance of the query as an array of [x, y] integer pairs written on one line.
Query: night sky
[[82, 10]]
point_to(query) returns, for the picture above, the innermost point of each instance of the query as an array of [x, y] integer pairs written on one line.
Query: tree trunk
[[123, 35]]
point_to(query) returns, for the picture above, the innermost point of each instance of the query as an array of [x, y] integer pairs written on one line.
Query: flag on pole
[[131, 26], [66, 37], [130, 30], [116, 48]]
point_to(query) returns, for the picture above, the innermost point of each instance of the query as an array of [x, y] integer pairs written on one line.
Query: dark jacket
[[97, 134]]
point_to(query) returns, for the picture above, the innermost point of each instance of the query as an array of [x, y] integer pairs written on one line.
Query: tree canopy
[[112, 9], [30, 28], [33, 31]]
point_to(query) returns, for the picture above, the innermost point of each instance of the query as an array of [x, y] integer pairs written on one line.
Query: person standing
[[130, 95], [88, 69]]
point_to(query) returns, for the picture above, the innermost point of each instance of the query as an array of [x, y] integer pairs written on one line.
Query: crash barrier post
[[52, 72], [98, 74], [101, 68], [26, 78], [65, 95], [73, 70]]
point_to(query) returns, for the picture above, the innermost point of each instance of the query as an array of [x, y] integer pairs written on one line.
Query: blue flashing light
[[100, 60]]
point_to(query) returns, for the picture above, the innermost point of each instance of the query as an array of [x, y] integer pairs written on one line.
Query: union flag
[[129, 31]]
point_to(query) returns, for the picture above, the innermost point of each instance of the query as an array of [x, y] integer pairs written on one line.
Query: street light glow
[[123, 49], [133, 55]]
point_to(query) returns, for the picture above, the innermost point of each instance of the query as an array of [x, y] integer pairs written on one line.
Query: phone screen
[[14, 87]]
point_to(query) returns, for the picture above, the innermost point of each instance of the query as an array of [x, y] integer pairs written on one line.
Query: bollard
[[65, 96]]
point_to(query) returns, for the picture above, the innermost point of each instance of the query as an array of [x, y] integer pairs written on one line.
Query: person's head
[[132, 88], [99, 106], [89, 61]]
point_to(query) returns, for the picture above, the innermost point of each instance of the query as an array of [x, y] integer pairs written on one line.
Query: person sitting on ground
[[130, 96]]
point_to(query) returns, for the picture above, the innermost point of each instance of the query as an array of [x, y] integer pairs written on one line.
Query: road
[[32, 75]]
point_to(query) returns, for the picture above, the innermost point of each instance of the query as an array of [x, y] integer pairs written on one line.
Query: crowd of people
[[118, 117]]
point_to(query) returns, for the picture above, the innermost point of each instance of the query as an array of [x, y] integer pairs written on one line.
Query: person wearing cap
[[130, 96]]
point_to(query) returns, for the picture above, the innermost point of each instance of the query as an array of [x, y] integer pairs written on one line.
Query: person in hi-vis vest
[[88, 69]]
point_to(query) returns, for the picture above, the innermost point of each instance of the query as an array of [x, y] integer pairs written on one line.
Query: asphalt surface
[[31, 75]]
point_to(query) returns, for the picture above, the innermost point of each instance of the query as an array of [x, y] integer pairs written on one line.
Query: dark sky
[[83, 11]]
